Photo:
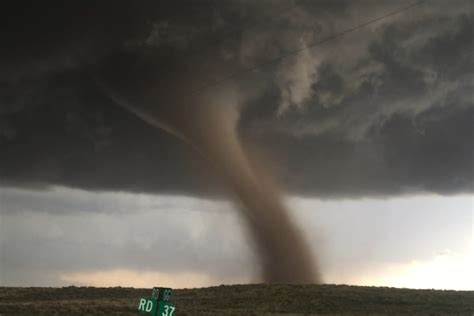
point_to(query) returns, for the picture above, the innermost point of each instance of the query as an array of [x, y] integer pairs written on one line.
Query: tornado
[[208, 122]]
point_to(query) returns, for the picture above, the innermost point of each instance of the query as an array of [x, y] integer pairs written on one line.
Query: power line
[[307, 47]]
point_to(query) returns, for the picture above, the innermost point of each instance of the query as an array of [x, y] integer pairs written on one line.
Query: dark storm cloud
[[79, 138], [387, 110]]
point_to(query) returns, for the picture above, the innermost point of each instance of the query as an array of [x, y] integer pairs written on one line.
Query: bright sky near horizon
[[66, 236]]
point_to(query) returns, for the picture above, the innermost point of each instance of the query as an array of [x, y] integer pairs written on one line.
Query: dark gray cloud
[[77, 137], [386, 110]]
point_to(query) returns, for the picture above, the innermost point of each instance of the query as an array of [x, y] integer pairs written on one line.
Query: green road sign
[[148, 306], [166, 309], [158, 304]]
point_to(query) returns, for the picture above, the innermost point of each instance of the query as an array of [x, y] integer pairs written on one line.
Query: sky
[[144, 240], [136, 139]]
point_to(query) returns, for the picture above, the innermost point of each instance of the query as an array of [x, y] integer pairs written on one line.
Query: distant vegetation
[[241, 300]]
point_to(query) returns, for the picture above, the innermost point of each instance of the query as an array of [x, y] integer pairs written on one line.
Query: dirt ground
[[241, 300]]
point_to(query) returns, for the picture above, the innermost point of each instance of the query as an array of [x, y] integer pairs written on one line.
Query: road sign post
[[158, 304]]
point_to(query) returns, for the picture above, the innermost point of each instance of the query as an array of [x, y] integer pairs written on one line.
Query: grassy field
[[241, 300]]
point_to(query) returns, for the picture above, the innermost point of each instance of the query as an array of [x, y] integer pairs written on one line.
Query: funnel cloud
[[208, 122], [96, 96]]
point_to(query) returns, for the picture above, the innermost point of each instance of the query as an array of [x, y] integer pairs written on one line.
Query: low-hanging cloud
[[382, 101]]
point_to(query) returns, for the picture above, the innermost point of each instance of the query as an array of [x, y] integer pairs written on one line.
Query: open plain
[[241, 300]]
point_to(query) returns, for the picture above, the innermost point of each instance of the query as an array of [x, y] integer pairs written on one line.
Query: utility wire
[[307, 47]]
